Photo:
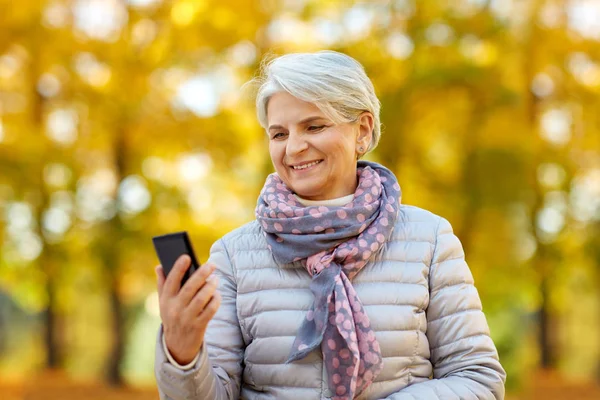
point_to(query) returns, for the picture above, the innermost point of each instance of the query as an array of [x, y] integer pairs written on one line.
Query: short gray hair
[[336, 83]]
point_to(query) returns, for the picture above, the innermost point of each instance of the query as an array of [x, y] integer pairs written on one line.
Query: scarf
[[334, 244]]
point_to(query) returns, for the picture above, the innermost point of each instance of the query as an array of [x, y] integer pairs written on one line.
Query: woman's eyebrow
[[304, 121]]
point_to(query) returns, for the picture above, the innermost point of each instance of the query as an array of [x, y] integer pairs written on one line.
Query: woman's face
[[313, 156]]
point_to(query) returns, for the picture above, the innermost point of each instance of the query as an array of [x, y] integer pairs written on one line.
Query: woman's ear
[[365, 133]]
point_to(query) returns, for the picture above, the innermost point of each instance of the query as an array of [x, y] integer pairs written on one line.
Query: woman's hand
[[185, 313]]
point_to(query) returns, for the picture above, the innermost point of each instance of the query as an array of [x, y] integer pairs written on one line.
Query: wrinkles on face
[[315, 157]]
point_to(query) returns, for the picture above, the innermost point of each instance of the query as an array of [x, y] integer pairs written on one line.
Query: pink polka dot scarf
[[334, 244]]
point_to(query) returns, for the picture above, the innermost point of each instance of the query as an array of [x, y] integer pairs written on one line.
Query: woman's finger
[[173, 281], [195, 283], [211, 309], [160, 278], [203, 296]]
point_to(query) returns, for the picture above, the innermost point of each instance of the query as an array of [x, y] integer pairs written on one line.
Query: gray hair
[[336, 83]]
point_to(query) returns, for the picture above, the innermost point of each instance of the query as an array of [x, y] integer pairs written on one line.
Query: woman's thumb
[[160, 277]]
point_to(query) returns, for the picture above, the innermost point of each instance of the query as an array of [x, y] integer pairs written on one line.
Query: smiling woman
[[337, 290]]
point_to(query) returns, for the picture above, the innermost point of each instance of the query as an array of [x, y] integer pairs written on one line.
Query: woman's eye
[[314, 128], [278, 135]]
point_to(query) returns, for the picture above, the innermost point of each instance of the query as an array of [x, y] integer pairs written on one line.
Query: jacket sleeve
[[465, 360], [218, 371]]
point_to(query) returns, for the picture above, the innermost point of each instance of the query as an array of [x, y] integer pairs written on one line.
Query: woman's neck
[[338, 202]]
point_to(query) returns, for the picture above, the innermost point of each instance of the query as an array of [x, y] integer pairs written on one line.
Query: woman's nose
[[295, 144]]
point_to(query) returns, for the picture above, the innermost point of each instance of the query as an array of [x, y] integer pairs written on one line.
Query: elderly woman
[[336, 290]]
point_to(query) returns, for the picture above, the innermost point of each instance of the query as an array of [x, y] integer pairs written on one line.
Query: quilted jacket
[[417, 290]]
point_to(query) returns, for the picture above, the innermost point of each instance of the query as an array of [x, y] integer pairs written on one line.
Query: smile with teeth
[[305, 166]]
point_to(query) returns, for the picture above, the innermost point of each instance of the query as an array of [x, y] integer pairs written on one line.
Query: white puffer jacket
[[419, 295]]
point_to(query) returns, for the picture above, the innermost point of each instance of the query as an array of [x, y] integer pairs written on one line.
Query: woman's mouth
[[306, 166]]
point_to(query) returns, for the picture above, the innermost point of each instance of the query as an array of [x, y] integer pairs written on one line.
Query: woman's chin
[[306, 188], [307, 193]]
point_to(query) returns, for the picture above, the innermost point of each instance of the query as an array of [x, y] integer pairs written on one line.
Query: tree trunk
[[113, 262], [114, 375], [47, 261], [53, 327], [546, 337], [541, 261]]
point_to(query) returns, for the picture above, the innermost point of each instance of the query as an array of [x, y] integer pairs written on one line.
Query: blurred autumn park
[[120, 120]]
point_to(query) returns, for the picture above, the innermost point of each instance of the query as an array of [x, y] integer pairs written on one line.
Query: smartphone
[[170, 247]]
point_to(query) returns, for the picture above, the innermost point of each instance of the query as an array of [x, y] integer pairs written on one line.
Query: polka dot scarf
[[334, 244]]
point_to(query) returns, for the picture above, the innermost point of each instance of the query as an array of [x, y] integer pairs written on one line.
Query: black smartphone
[[170, 247]]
